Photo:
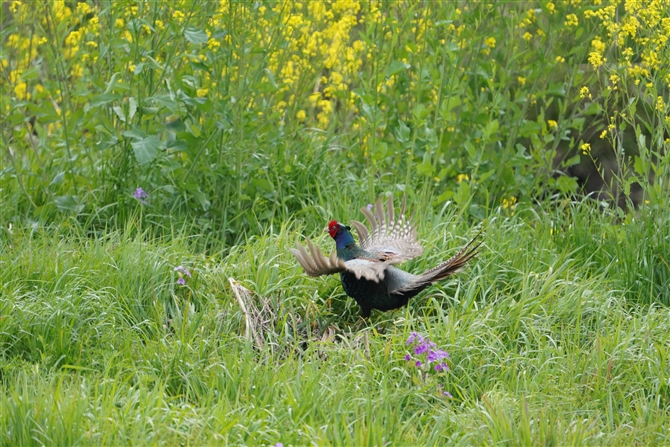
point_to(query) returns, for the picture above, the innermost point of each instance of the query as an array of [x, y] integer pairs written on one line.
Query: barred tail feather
[[453, 264], [449, 267]]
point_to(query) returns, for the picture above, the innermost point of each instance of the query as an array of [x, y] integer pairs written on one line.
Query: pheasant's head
[[340, 232]]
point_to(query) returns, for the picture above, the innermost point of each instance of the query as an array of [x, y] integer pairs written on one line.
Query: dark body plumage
[[366, 272], [384, 295]]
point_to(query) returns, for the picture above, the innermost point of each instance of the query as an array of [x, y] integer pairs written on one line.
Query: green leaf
[[195, 35], [103, 99], [639, 165], [132, 105], [146, 149], [135, 132], [69, 203], [395, 67], [58, 179], [178, 146], [119, 112], [567, 184], [201, 197], [402, 133]]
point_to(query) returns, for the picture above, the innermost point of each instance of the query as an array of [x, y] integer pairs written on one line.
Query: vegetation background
[[153, 150]]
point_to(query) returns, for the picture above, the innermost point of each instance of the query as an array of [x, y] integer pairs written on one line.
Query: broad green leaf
[[195, 35], [395, 67], [146, 149], [69, 203], [132, 107]]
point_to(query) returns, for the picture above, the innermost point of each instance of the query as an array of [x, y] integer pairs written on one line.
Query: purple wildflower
[[181, 281], [414, 336], [420, 349], [279, 444], [369, 207], [183, 270], [447, 393], [140, 194], [418, 364], [408, 357]]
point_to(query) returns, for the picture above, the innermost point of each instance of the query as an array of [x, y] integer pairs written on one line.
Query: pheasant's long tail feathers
[[453, 264]]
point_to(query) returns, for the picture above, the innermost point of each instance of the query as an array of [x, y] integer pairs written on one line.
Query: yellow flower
[[521, 80], [76, 71], [461, 177], [301, 115], [660, 104], [553, 124], [20, 90], [213, 44], [551, 8], [603, 134], [586, 148], [508, 203], [119, 23], [73, 38], [83, 8], [560, 59], [584, 92], [201, 92], [490, 42], [527, 36], [571, 20], [13, 41]]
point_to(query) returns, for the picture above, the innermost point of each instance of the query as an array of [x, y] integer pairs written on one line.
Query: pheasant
[[368, 271]]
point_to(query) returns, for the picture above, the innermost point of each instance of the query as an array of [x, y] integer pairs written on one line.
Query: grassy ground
[[153, 151], [101, 345]]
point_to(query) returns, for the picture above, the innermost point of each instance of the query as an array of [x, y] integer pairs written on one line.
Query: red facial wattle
[[333, 228]]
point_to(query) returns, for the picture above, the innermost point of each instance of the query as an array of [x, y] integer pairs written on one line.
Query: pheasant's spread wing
[[373, 270], [391, 238], [317, 264]]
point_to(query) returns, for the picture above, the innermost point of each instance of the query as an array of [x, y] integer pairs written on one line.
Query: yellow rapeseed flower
[[553, 124], [584, 93], [660, 104], [586, 148], [77, 71], [603, 134], [13, 41], [20, 90], [521, 80], [461, 177], [490, 42], [508, 203], [301, 115], [559, 59], [527, 36], [201, 92], [83, 8], [571, 20]]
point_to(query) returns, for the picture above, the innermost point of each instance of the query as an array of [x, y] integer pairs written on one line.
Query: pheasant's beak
[[325, 230]]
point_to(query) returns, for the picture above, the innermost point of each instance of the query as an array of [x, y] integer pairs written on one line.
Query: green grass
[[250, 125], [548, 345]]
